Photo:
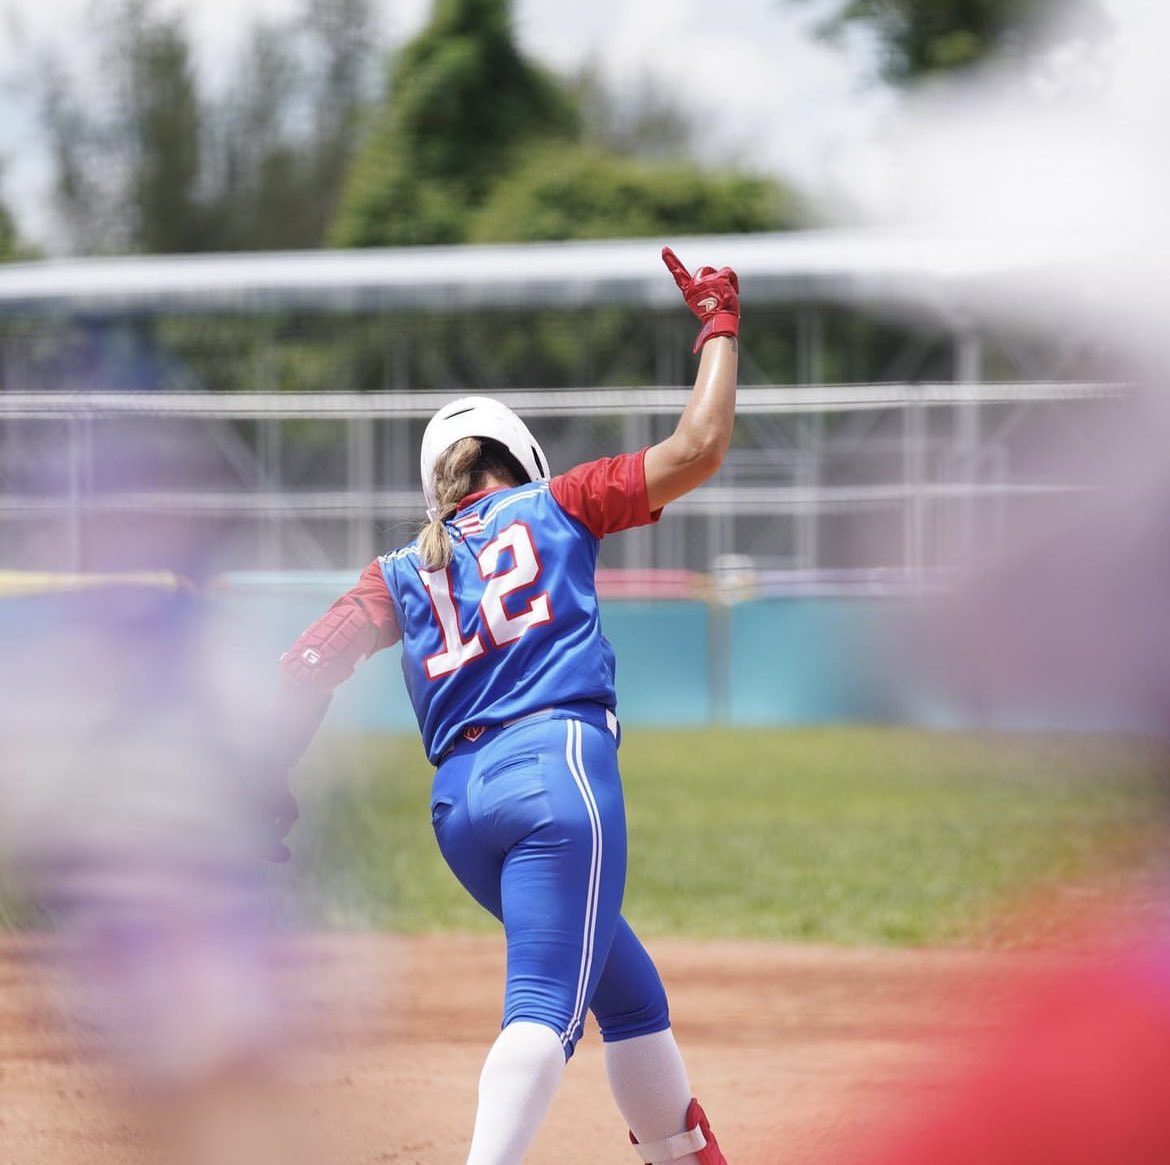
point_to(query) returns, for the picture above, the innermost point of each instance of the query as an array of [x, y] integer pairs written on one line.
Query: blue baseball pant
[[530, 819]]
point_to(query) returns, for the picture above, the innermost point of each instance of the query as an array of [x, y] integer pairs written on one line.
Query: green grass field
[[838, 835]]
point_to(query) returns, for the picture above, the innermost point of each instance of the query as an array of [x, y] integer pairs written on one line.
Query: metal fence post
[[967, 435], [270, 483], [360, 475], [75, 552], [914, 437]]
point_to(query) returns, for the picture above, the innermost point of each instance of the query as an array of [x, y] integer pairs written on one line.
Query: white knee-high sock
[[649, 1082], [519, 1079]]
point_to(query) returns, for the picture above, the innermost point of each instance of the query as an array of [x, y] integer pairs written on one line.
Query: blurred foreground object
[[1068, 624], [1078, 1075], [133, 790]]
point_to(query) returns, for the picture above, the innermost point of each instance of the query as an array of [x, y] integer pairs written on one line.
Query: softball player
[[512, 682]]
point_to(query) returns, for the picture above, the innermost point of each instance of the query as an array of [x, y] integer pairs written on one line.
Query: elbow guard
[[327, 652]]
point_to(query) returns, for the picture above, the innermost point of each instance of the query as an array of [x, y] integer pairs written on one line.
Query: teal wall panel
[[800, 660], [663, 660], [662, 648], [781, 660], [266, 622]]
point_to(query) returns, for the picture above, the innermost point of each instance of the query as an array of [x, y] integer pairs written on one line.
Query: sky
[[763, 90], [763, 93]]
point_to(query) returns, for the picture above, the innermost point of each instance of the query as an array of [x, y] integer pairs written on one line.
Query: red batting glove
[[712, 295]]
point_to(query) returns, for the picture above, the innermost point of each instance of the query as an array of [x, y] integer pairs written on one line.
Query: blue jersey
[[512, 625]]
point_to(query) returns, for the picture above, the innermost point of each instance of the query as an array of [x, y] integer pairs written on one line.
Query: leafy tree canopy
[[563, 192], [463, 101], [163, 116], [475, 143], [150, 161], [9, 248], [471, 140], [924, 37]]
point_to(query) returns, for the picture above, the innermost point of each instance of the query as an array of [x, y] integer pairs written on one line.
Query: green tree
[[577, 192], [342, 51], [474, 143], [10, 248], [162, 116], [151, 162], [84, 177], [923, 37], [285, 133], [255, 180], [127, 160], [462, 103]]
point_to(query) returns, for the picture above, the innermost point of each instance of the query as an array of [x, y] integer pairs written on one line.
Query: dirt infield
[[790, 1048]]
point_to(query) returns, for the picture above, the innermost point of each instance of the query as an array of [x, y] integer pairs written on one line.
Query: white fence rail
[[859, 477]]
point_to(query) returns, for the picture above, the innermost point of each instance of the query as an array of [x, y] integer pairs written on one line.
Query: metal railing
[[858, 477]]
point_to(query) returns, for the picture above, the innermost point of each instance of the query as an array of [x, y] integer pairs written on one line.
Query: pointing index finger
[[681, 275]]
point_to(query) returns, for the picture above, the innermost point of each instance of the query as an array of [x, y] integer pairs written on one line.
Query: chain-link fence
[[862, 481], [169, 413]]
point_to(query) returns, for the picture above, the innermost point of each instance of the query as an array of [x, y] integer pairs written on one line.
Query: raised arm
[[694, 451]]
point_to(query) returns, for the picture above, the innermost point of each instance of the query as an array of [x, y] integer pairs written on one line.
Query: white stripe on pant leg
[[570, 764], [594, 893], [577, 770], [573, 758], [594, 873]]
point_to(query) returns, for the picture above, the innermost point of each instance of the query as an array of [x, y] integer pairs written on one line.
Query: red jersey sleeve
[[608, 495], [359, 623], [372, 594]]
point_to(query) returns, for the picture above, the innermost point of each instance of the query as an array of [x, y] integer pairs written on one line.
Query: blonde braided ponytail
[[455, 472]]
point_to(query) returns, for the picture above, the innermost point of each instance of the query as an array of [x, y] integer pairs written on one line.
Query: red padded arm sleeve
[[359, 623], [608, 495]]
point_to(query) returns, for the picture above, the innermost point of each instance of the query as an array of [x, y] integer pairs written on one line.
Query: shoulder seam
[[492, 511], [401, 552]]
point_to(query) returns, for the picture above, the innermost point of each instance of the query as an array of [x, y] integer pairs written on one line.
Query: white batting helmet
[[477, 416]]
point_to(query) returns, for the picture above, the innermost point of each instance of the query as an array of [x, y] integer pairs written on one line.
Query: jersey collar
[[478, 496]]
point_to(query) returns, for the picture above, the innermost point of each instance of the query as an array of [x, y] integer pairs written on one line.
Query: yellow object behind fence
[[17, 583]]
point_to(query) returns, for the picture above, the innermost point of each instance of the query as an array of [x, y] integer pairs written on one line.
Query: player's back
[[511, 626]]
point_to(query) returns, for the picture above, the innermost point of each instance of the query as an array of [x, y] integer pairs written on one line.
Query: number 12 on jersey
[[502, 628]]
